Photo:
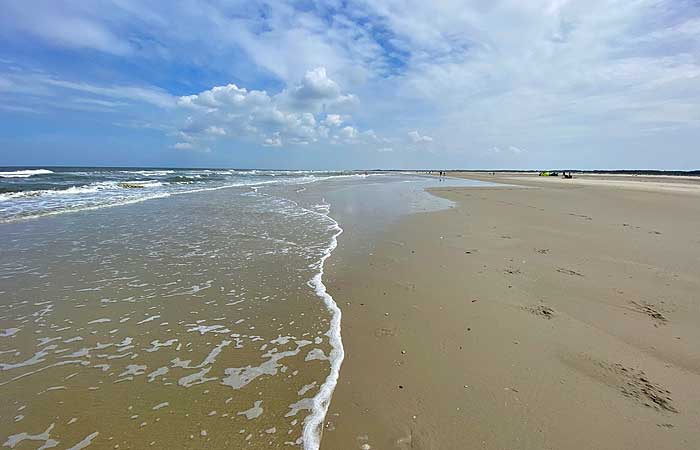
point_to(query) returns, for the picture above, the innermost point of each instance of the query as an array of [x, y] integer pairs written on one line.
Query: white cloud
[[152, 95], [57, 92], [272, 142], [183, 146], [511, 150], [349, 132], [61, 25], [289, 116], [333, 120], [562, 77], [215, 131], [229, 96], [371, 137], [418, 138], [385, 150], [316, 86]]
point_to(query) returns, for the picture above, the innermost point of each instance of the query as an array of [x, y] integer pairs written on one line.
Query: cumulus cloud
[[272, 142], [271, 119], [316, 86], [349, 132], [417, 138], [183, 146], [333, 120], [317, 92], [385, 150]]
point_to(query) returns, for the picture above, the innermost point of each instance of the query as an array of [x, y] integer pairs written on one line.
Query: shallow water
[[189, 321]]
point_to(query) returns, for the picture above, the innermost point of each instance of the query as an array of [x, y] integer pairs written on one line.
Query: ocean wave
[[92, 188], [183, 179], [72, 190], [138, 184], [25, 173], [89, 207], [150, 173], [5, 196], [35, 199]]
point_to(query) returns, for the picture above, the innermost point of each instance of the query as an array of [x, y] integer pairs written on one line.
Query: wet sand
[[147, 326], [557, 314]]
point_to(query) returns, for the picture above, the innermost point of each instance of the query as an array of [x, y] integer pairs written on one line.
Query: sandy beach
[[542, 314]]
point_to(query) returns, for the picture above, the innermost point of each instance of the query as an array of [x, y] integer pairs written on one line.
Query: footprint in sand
[[650, 310], [541, 310], [384, 332], [583, 216], [569, 272], [634, 384], [630, 382]]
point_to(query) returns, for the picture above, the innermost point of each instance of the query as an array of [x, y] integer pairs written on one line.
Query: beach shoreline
[[544, 313]]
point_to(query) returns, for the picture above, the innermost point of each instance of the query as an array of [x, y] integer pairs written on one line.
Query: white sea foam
[[306, 388], [148, 319], [102, 320], [9, 332], [89, 208], [196, 378], [204, 329], [313, 426], [150, 173], [254, 412], [36, 359], [85, 442], [92, 188], [44, 437], [25, 173], [303, 404], [316, 354], [142, 183], [157, 373], [73, 190]]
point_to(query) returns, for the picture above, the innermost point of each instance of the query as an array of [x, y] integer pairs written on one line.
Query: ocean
[[32, 192], [176, 308]]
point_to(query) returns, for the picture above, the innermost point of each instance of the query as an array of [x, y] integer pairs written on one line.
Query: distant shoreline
[[691, 173], [650, 172]]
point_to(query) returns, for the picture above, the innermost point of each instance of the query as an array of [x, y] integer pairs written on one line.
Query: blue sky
[[351, 84]]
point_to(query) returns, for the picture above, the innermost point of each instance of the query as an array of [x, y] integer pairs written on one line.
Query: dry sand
[[565, 315]]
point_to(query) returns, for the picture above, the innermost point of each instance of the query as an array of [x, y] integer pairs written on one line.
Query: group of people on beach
[[441, 173]]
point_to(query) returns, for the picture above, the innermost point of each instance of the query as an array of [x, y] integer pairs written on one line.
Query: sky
[[354, 84]]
